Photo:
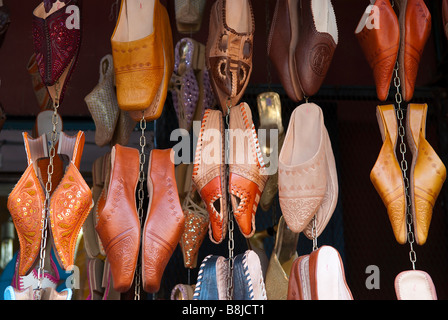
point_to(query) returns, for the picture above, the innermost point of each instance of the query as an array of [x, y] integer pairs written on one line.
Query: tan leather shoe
[[164, 223], [229, 49], [328, 205], [247, 175], [427, 174], [327, 276], [302, 175], [209, 172], [282, 43], [118, 224], [380, 45], [137, 48], [154, 110], [318, 38], [386, 175], [415, 28]]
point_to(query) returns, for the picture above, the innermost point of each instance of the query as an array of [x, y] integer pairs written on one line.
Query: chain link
[[141, 197], [314, 233], [48, 188], [231, 242], [404, 167]]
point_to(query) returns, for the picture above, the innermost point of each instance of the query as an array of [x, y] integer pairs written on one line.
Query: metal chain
[[231, 242], [404, 166], [48, 188], [141, 197], [314, 233]]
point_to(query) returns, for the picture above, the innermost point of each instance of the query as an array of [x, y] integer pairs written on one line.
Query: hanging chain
[[231, 242], [404, 166], [314, 233], [48, 188], [141, 197]]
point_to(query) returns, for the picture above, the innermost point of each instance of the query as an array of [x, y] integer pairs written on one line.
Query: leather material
[[380, 46], [302, 175], [229, 55], [415, 28], [70, 202], [427, 174], [69, 207], [315, 49], [164, 223], [56, 47], [330, 200], [118, 223], [247, 175], [138, 63], [154, 110], [414, 285], [209, 172], [25, 204], [386, 175], [282, 42]]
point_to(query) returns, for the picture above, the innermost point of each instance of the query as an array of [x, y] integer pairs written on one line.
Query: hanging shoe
[[195, 229], [302, 175], [118, 225], [55, 45], [318, 39], [415, 28], [282, 43], [380, 45], [43, 98], [247, 175], [25, 204], [209, 172], [71, 201], [183, 84], [12, 293], [189, 15], [414, 285], [165, 220], [143, 57], [330, 200], [280, 263], [212, 280], [270, 115], [248, 278], [229, 49], [427, 173], [327, 276], [102, 103], [386, 175]]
